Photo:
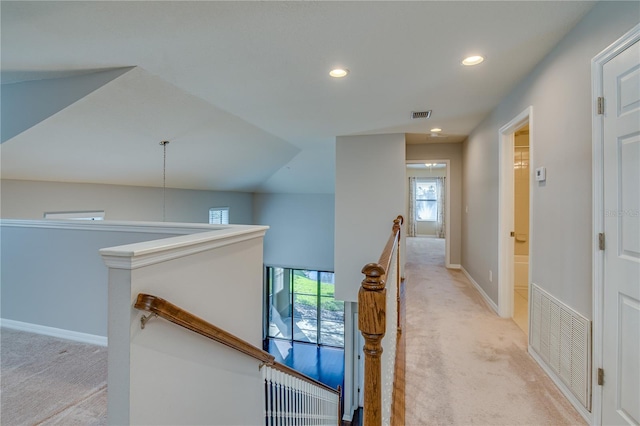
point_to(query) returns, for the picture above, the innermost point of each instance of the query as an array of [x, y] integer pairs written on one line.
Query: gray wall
[[559, 89], [30, 199], [453, 153], [301, 232], [370, 194], [57, 278]]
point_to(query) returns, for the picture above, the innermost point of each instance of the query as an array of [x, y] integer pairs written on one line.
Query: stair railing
[[290, 397], [379, 322]]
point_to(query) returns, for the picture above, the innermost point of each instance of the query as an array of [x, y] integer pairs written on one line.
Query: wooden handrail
[[183, 318], [372, 323], [392, 242]]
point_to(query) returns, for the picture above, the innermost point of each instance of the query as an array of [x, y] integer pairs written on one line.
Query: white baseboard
[[563, 388], [454, 266], [54, 332], [484, 295]]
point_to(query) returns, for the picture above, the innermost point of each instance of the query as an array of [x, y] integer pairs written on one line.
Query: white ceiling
[[241, 89]]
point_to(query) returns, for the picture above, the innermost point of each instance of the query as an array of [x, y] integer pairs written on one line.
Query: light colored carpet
[[466, 365], [50, 381]]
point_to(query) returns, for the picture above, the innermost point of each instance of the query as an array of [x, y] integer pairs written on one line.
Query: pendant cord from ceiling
[[164, 180]]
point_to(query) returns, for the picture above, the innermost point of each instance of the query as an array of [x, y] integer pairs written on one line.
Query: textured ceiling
[[242, 88]]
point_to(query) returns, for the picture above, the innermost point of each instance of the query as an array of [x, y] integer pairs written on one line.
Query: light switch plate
[[541, 174]]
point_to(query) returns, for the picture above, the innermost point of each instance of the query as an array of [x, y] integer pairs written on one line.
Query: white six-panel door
[[621, 188]]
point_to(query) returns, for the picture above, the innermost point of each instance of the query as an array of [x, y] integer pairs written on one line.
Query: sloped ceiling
[[113, 134], [241, 89]]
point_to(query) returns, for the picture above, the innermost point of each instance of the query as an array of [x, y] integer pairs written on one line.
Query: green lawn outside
[[307, 289]]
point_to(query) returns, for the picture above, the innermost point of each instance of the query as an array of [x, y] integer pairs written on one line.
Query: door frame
[[597, 121], [447, 209], [506, 211]]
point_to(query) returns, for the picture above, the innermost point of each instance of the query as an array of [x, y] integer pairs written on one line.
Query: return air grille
[[421, 114], [562, 338]]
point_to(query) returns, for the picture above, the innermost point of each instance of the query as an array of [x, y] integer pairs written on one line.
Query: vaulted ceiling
[[241, 89]]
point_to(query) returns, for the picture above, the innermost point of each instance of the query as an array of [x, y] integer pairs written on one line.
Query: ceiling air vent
[[420, 114]]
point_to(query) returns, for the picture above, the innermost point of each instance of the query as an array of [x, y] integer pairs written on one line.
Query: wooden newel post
[[372, 322]]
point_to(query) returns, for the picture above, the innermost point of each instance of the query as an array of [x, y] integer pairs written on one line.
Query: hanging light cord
[[164, 180]]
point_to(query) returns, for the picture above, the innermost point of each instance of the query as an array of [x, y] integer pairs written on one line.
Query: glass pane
[[279, 303], [305, 305], [332, 333], [327, 286], [331, 309], [305, 318], [427, 210], [426, 191], [300, 296], [332, 321]]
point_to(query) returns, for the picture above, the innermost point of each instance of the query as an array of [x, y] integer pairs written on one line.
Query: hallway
[[465, 365]]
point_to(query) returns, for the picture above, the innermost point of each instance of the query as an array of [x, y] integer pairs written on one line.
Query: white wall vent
[[562, 338]]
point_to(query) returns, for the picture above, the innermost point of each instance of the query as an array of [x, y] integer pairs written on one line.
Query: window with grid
[[219, 216], [426, 201], [300, 306]]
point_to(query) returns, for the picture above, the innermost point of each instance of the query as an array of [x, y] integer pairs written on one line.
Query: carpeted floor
[[50, 381], [466, 365]]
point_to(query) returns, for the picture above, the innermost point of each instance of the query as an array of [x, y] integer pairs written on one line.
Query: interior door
[[621, 328]]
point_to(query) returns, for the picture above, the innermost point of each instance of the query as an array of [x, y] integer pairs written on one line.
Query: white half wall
[[52, 273], [165, 374]]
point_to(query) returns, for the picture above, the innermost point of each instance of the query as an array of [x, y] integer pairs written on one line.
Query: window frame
[[224, 215], [270, 272], [435, 199], [75, 215]]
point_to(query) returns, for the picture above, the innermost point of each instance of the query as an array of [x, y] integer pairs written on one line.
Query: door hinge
[[600, 105], [601, 241], [600, 377], [512, 234]]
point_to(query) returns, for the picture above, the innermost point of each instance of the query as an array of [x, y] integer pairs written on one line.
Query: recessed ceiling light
[[436, 129], [339, 72], [472, 60]]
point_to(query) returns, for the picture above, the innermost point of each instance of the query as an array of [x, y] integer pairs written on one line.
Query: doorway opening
[[427, 200], [515, 224], [521, 177]]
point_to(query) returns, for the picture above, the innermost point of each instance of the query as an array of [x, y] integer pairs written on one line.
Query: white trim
[[116, 226], [192, 238], [505, 211], [454, 266], [447, 207], [60, 333], [597, 65], [484, 295], [560, 384], [137, 255]]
